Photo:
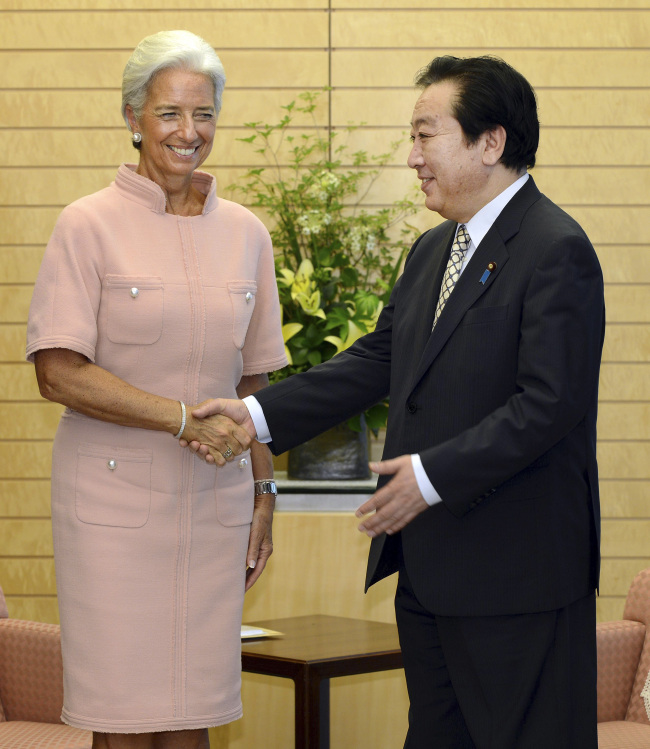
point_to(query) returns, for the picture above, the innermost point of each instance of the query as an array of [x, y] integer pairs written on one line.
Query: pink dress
[[149, 541]]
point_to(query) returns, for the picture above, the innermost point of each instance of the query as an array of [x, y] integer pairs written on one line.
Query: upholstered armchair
[[31, 687], [623, 666]]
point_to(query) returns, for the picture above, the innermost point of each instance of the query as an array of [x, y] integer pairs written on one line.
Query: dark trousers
[[499, 682]]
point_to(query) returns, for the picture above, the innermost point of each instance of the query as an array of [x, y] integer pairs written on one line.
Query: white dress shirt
[[477, 227]]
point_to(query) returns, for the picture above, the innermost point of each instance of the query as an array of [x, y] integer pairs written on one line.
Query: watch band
[[266, 486]]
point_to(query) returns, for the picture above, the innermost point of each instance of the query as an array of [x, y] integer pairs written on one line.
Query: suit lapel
[[427, 287], [470, 287], [466, 292]]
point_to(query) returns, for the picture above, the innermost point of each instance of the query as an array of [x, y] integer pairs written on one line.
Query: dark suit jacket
[[499, 401]]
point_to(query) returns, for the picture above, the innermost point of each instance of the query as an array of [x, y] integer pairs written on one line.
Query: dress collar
[[146, 192]]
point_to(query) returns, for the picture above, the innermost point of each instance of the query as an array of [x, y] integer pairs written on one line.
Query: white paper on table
[[248, 631]]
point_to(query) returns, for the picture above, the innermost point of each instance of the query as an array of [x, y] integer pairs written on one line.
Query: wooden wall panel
[[627, 302], [95, 69], [19, 264], [80, 109], [67, 150], [611, 224], [624, 382], [624, 421], [14, 303], [463, 5], [17, 382], [31, 421], [557, 107], [618, 459], [60, 69], [26, 537], [24, 498], [123, 30], [559, 146], [12, 342], [363, 66], [560, 27], [623, 264], [30, 459], [623, 499], [174, 5], [31, 225], [627, 343], [568, 185]]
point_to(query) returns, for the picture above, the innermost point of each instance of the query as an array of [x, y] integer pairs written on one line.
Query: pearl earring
[[137, 137]]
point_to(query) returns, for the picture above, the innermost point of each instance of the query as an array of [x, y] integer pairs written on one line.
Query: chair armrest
[[31, 671], [619, 649]]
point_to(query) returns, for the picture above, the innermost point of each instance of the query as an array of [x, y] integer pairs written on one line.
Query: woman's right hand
[[221, 435]]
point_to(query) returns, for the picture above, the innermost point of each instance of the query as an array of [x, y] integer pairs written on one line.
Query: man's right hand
[[232, 408]]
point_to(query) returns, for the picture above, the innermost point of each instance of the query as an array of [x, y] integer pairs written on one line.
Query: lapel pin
[[486, 273]]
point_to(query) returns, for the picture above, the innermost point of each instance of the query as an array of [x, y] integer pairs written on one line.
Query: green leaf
[[349, 277], [376, 417], [314, 358], [355, 423]]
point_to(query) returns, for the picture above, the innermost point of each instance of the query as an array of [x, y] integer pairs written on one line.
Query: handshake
[[218, 430]]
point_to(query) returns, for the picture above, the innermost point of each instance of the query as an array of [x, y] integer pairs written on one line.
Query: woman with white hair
[[154, 293]]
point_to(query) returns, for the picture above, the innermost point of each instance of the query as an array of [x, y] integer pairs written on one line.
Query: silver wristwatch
[[266, 486]]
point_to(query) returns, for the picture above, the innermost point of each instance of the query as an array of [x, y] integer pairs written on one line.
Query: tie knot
[[462, 238]]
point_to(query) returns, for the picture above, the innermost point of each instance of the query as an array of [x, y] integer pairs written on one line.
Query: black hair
[[490, 93]]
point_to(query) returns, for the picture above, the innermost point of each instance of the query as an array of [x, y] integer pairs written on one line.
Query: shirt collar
[[481, 223]]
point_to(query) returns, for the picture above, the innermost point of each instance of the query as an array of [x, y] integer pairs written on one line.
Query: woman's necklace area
[[194, 206]]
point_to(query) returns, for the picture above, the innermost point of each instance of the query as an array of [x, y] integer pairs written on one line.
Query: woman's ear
[[495, 143], [130, 116]]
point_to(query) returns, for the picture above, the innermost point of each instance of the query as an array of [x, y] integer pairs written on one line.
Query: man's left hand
[[396, 503]]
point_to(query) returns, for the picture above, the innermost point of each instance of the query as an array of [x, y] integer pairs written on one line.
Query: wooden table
[[312, 650]]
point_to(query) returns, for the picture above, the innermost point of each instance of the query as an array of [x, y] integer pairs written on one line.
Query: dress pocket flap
[[113, 485], [135, 306], [242, 298]]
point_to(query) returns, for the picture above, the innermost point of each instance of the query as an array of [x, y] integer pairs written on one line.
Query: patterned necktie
[[452, 273]]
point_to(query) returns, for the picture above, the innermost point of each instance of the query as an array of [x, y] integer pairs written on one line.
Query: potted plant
[[336, 262]]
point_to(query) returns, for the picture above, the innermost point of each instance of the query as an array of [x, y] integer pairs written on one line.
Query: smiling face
[[454, 175], [177, 124]]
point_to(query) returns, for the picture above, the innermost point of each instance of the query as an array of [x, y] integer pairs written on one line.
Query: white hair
[[164, 50]]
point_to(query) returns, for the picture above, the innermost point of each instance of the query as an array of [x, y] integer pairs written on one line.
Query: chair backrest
[[637, 608], [4, 614]]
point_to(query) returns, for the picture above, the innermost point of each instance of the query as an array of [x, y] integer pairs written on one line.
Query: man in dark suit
[[487, 504]]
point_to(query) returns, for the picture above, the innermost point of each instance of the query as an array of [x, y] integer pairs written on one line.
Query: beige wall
[[60, 69]]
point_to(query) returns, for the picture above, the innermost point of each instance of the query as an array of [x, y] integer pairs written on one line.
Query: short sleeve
[[63, 311], [264, 347]]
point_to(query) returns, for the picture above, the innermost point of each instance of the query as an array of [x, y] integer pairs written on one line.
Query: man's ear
[[495, 142]]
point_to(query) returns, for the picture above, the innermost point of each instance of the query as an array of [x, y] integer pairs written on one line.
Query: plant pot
[[335, 455]]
